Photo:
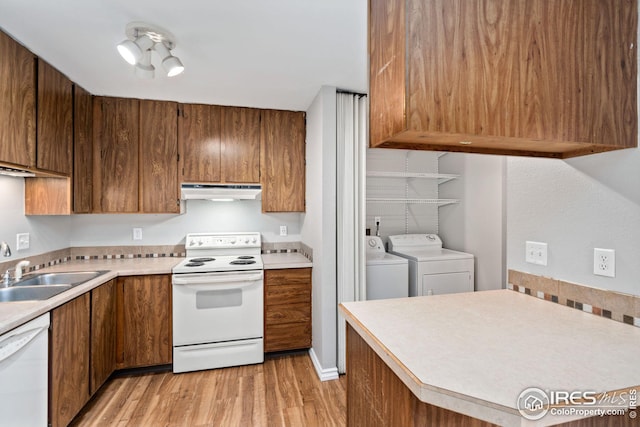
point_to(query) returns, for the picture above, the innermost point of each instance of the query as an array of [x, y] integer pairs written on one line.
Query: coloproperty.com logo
[[534, 403]]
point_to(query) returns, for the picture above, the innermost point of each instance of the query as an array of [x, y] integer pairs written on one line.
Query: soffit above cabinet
[[518, 77]]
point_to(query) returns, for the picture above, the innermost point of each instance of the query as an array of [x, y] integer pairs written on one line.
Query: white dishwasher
[[24, 355]]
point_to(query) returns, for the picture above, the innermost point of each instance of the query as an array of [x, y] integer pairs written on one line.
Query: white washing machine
[[387, 275], [432, 269]]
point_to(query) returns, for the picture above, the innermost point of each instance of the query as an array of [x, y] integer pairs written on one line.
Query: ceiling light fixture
[[133, 50], [170, 63], [144, 69], [142, 40]]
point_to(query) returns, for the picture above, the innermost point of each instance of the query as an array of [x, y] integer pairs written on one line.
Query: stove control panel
[[222, 240]]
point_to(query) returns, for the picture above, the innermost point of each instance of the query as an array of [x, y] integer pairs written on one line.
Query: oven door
[[215, 307]]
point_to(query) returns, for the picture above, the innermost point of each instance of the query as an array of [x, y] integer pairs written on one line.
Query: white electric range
[[218, 302]]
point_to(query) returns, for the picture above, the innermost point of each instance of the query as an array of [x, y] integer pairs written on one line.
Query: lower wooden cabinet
[[103, 334], [287, 311], [69, 360], [143, 321], [123, 323]]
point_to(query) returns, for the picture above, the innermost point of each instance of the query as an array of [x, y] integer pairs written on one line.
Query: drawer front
[[289, 313], [288, 336], [292, 276], [288, 294]]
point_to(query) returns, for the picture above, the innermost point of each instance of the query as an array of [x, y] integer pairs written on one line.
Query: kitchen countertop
[[474, 353], [14, 314], [285, 260]]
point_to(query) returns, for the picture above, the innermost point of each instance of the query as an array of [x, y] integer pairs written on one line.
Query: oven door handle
[[213, 280]]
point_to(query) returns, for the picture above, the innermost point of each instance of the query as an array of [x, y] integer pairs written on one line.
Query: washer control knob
[[372, 243]]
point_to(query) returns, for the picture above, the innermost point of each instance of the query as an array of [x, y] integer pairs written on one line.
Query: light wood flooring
[[284, 391]]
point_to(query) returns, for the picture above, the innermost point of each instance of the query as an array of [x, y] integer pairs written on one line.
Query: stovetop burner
[[246, 257], [194, 264], [202, 259], [242, 262]]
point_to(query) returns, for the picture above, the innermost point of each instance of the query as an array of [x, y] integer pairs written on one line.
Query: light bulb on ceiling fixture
[[170, 63], [133, 50], [144, 69]]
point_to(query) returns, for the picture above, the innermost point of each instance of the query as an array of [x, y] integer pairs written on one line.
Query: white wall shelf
[[402, 189], [439, 202], [441, 177]]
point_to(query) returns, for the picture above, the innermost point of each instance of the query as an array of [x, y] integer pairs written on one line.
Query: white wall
[[47, 233], [477, 224], [319, 223], [575, 206], [200, 216]]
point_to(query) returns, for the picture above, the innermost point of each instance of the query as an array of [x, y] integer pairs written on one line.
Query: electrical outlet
[[376, 220], [536, 253], [283, 230], [22, 241], [137, 234], [604, 262]]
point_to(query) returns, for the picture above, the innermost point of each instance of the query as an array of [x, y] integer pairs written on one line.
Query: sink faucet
[[6, 279], [18, 274], [5, 249]]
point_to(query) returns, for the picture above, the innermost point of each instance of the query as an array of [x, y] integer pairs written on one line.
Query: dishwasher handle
[[12, 344]]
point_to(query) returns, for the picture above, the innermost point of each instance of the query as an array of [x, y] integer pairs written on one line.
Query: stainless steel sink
[[73, 278], [45, 285], [30, 293]]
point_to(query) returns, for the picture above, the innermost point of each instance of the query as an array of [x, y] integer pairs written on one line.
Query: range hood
[[220, 192], [16, 172]]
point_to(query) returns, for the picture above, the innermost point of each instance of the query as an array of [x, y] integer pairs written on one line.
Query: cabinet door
[[55, 120], [240, 145], [18, 98], [159, 157], [287, 312], [115, 156], [69, 360], [144, 321], [282, 161], [103, 334], [83, 151], [199, 143], [526, 77]]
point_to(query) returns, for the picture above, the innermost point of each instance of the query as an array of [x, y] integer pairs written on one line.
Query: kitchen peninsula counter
[[14, 314], [474, 353]]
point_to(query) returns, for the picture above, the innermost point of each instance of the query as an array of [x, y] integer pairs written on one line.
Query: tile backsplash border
[[613, 305], [61, 256]]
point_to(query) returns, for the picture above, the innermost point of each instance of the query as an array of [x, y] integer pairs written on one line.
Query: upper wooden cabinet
[[159, 157], [18, 101], [199, 143], [115, 155], [282, 161], [219, 144], [55, 121], [82, 151], [135, 156], [520, 77], [240, 145]]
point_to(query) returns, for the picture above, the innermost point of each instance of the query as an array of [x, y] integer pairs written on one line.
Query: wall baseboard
[[323, 374]]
